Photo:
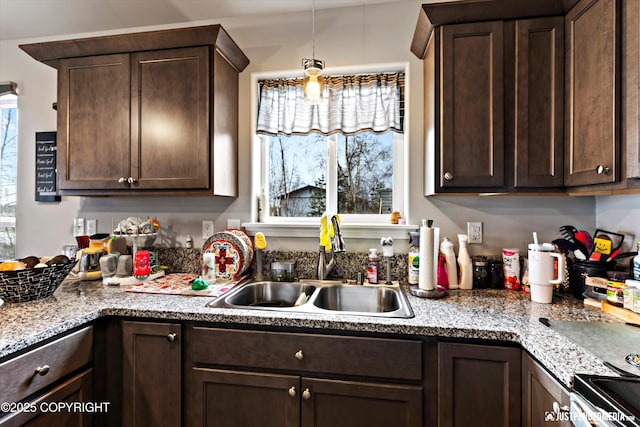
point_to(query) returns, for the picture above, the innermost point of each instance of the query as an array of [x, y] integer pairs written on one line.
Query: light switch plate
[[233, 224]]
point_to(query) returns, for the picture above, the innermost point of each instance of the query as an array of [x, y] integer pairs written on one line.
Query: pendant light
[[313, 80]]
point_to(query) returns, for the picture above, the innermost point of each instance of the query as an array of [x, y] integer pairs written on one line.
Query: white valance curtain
[[350, 104]]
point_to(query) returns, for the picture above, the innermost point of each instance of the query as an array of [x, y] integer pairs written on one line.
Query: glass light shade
[[313, 81]]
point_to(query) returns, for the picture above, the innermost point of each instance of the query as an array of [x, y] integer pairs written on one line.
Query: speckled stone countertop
[[481, 314]]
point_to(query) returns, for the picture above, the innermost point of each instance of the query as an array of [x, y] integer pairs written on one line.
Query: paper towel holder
[[439, 292]]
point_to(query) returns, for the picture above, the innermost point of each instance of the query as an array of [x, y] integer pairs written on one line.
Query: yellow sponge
[[260, 241]]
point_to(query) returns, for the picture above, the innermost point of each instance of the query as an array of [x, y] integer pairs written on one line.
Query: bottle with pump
[[372, 269], [446, 247], [465, 264]]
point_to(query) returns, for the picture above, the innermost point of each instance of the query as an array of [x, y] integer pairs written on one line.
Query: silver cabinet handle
[[306, 394], [122, 180], [171, 337], [299, 355], [42, 370], [448, 176], [292, 392], [603, 170], [131, 180], [560, 409]]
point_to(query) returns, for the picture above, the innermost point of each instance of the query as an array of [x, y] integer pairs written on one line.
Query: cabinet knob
[[299, 355], [603, 170], [131, 180], [448, 176], [306, 394], [122, 180], [292, 392], [171, 337], [42, 370]]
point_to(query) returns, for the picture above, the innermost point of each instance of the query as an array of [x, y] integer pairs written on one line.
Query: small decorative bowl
[[33, 283]]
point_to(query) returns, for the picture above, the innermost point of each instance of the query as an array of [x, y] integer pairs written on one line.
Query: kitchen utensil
[[570, 247], [585, 237], [569, 232], [605, 243]]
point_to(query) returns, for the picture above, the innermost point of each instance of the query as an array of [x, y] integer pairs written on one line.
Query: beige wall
[[344, 37]]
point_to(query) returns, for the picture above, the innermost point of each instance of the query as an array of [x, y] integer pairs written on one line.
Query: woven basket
[[33, 283]]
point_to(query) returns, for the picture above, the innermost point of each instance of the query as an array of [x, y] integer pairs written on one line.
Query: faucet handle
[[338, 242]]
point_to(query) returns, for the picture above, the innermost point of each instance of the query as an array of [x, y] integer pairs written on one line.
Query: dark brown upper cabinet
[[493, 96], [152, 113], [592, 129]]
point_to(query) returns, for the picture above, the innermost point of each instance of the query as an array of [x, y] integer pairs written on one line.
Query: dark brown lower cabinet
[[234, 398], [329, 403], [49, 408], [541, 395], [479, 385], [151, 374]]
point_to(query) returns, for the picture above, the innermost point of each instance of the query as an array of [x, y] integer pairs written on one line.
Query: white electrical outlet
[[207, 229], [92, 227], [474, 232]]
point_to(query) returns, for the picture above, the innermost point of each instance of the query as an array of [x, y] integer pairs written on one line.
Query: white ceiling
[[39, 18]]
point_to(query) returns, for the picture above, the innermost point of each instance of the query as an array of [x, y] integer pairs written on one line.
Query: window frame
[[10, 100], [260, 166]]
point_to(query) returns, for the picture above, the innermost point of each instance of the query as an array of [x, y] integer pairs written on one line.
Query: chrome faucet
[[337, 245]]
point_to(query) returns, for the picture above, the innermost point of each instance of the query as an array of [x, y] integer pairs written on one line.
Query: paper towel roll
[[427, 270]]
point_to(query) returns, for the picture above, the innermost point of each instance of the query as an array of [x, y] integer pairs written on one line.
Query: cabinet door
[[170, 119], [471, 114], [93, 122], [592, 131], [151, 366], [327, 403], [631, 85], [539, 103], [223, 398], [75, 390], [479, 385], [539, 393]]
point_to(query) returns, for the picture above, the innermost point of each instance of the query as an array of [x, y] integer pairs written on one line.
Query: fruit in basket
[[58, 260], [31, 261], [12, 265]]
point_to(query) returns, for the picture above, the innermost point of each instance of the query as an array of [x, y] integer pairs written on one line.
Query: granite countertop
[[481, 314]]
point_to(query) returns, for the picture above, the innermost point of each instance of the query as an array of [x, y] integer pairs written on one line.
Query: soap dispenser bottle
[[372, 269], [465, 264]]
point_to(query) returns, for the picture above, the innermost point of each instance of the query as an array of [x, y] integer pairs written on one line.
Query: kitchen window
[[8, 169], [345, 154]]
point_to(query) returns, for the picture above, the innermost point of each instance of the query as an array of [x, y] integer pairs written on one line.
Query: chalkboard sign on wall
[[46, 167]]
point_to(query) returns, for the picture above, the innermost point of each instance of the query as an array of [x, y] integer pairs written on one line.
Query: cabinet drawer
[[75, 389], [63, 356], [358, 356]]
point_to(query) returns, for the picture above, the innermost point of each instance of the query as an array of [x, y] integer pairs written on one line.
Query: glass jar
[[481, 278]]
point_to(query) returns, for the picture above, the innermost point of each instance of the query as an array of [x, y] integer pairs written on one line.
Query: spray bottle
[[465, 264]]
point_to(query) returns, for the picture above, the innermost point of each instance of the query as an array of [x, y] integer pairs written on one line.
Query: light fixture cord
[[313, 27]]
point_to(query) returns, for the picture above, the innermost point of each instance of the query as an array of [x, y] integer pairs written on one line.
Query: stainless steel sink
[[320, 296], [269, 294]]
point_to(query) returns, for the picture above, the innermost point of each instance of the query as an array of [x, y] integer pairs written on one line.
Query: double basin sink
[[318, 296]]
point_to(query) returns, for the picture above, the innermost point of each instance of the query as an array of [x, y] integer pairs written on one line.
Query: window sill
[[349, 231]]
